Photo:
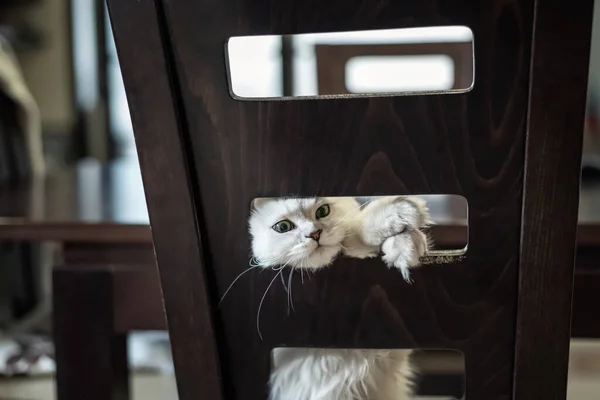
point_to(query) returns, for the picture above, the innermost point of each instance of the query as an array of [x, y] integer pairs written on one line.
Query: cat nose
[[316, 235]]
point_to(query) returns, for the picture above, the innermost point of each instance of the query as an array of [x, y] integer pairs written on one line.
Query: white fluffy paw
[[404, 250], [392, 225], [389, 216], [405, 243]]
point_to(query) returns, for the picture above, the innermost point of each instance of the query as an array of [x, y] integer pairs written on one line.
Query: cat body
[[309, 233], [340, 374]]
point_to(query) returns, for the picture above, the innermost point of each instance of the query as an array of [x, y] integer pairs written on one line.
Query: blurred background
[[68, 161]]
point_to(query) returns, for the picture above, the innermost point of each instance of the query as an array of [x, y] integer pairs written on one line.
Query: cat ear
[[258, 203]]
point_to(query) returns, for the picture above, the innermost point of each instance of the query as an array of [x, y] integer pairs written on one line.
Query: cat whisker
[[352, 213], [289, 292], [310, 263], [349, 232], [266, 262], [233, 283], [340, 225], [261, 303], [346, 216], [280, 267], [254, 262], [286, 289]]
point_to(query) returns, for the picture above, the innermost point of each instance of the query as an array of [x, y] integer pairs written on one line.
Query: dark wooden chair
[[511, 146]]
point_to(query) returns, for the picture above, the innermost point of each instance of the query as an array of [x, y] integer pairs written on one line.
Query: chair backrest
[[511, 146]]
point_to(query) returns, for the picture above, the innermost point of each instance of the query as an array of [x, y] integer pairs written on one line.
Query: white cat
[[309, 234], [312, 232]]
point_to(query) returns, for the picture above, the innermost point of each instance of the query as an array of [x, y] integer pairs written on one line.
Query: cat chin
[[322, 256]]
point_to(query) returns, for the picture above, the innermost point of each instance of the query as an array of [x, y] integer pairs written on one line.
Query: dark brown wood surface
[[470, 144], [205, 161], [557, 103], [139, 34], [91, 359]]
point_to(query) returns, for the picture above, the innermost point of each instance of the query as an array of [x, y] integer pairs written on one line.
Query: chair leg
[[91, 359]]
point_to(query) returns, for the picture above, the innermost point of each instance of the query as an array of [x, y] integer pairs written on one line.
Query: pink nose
[[316, 235]]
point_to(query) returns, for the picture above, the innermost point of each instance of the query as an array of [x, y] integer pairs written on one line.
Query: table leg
[[91, 359]]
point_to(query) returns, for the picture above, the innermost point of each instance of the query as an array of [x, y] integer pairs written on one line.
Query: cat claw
[[406, 275], [404, 269], [403, 252]]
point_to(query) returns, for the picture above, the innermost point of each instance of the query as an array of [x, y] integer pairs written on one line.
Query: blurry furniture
[[332, 59], [591, 135], [21, 123], [16, 271], [511, 146], [105, 283], [21, 159]]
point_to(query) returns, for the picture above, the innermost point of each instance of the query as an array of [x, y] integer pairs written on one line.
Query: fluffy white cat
[[310, 233]]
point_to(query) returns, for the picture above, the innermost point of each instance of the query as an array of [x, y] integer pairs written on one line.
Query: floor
[[584, 380], [145, 387]]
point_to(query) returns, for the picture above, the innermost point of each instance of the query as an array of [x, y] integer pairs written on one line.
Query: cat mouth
[[322, 247], [317, 249]]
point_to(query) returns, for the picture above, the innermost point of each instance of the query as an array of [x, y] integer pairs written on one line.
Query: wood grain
[[470, 144], [138, 303], [157, 123], [553, 160]]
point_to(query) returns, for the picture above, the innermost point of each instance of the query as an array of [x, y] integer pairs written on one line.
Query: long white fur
[[387, 226], [340, 374]]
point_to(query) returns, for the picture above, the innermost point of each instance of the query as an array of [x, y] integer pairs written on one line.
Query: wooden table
[[106, 282]]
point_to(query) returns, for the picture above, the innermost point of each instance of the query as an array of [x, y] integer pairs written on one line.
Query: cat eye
[[322, 211], [283, 226]]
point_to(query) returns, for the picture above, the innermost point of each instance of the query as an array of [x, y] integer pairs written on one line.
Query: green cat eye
[[322, 211], [283, 226]]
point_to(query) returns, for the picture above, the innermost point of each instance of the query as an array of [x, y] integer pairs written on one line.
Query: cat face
[[299, 233]]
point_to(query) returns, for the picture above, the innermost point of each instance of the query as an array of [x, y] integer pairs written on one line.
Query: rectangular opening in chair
[[403, 231], [423, 374], [349, 64]]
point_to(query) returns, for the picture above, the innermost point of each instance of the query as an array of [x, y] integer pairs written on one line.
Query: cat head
[[298, 232]]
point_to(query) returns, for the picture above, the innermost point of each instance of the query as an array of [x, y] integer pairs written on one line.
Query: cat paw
[[407, 243], [388, 217], [404, 250]]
